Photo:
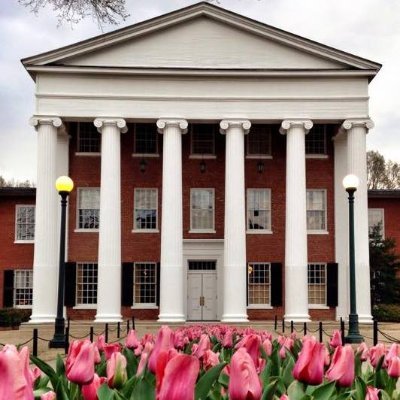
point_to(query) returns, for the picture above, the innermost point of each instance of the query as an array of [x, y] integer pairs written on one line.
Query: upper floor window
[[144, 284], [316, 210], [202, 210], [145, 210], [316, 140], [259, 141], [259, 284], [203, 139], [317, 284], [145, 139], [23, 284], [86, 283], [88, 208], [376, 218], [25, 223], [89, 140], [259, 209]]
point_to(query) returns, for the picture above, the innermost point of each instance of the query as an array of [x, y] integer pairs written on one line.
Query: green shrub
[[13, 316], [387, 312]]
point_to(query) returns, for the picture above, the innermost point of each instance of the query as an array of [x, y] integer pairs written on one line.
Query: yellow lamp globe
[[351, 182], [64, 184]]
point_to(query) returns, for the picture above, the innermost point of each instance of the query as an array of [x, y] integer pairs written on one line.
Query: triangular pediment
[[201, 36]]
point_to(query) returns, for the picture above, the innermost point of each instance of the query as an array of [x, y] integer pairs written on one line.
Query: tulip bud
[[80, 361], [116, 370], [372, 393], [48, 396], [342, 366]]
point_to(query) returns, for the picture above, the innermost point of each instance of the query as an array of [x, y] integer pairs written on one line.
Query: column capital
[[37, 120], [163, 123], [225, 124], [357, 122], [119, 123], [306, 124]]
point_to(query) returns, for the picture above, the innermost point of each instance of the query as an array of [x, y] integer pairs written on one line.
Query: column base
[[235, 318], [42, 319], [108, 318], [365, 319], [297, 318], [171, 318]]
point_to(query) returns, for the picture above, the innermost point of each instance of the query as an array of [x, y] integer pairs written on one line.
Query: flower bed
[[205, 362]]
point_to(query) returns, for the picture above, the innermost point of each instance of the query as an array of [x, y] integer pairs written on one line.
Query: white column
[[296, 260], [45, 261], [357, 165], [109, 261], [234, 295], [341, 226], [171, 280]]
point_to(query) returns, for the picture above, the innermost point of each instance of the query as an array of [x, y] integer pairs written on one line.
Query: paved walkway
[[80, 329]]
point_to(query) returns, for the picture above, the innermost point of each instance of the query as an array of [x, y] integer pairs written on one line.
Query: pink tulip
[[394, 367], [132, 341], [309, 367], [110, 349], [394, 352], [336, 339], [100, 342], [244, 383], [36, 373], [210, 359], [48, 396], [267, 345], [284, 397], [148, 348], [228, 339], [372, 393], [164, 341], [89, 392], [342, 366], [204, 344], [81, 358], [363, 351], [116, 370], [376, 353], [179, 378], [252, 344], [15, 376]]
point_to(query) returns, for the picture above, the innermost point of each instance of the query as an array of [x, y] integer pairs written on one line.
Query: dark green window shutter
[[332, 285], [8, 293], [70, 284], [158, 283], [276, 284], [127, 284]]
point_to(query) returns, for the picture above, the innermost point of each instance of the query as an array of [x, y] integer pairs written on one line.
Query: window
[[146, 141], [23, 282], [259, 141], [86, 283], [376, 218], [316, 210], [259, 209], [317, 284], [202, 210], [203, 139], [144, 284], [146, 201], [259, 279], [316, 140], [25, 223], [88, 208], [89, 140]]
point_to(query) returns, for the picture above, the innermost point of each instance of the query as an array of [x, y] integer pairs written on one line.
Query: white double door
[[202, 295]]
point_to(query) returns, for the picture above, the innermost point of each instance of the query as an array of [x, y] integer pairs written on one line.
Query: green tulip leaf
[[144, 390], [129, 386], [223, 379], [105, 393], [324, 392], [384, 395], [296, 391], [49, 371], [132, 362], [275, 362], [269, 391], [287, 375], [360, 389], [207, 381], [60, 367]]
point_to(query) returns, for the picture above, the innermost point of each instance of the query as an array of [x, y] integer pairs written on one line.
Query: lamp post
[[350, 183], [64, 186]]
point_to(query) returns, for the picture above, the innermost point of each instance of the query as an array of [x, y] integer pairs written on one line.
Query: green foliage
[[10, 317], [382, 174], [387, 312]]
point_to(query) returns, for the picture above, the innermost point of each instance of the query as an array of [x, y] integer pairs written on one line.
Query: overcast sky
[[367, 28]]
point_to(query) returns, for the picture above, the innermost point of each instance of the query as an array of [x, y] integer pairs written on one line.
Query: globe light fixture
[[351, 182], [64, 184]]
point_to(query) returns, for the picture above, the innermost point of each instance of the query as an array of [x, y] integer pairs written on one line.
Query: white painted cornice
[[287, 124]]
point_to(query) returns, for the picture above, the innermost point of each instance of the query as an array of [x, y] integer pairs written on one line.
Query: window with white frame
[[259, 209], [145, 209], [259, 284], [144, 283], [376, 220], [317, 284], [316, 210], [89, 140], [202, 209], [25, 223], [145, 139], [259, 141], [23, 283], [86, 283], [203, 139], [88, 208], [316, 140]]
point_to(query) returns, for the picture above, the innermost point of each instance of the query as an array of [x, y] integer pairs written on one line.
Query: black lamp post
[[350, 183], [64, 186]]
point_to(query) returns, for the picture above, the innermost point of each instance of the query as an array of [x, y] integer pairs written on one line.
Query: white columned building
[[357, 130], [109, 261], [171, 292], [45, 262], [234, 301], [296, 260]]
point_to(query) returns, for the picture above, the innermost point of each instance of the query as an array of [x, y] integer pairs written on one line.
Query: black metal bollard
[[91, 334], [68, 321], [127, 326], [106, 333], [283, 325], [305, 328], [66, 342], [133, 322], [118, 330], [276, 323], [320, 332], [342, 328], [291, 327], [35, 342], [375, 336]]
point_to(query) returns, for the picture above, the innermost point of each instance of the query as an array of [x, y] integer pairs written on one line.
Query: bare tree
[[382, 174], [15, 183], [73, 11]]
